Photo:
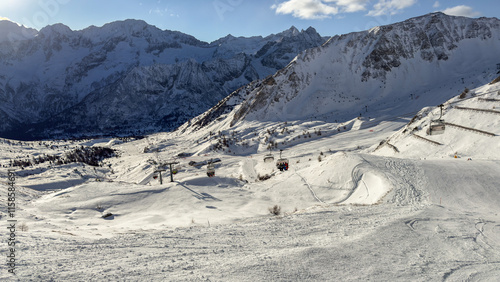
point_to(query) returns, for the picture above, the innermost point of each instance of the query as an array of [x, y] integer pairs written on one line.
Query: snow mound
[[369, 190]]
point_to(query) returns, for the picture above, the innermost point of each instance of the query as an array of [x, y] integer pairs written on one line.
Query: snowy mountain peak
[[372, 73], [292, 31], [311, 30], [11, 31], [56, 29], [129, 26], [173, 76]]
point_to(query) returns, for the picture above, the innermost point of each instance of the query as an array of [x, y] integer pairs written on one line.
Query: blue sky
[[209, 20]]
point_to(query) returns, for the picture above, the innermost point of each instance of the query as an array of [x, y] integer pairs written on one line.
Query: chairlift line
[[436, 127], [411, 114]]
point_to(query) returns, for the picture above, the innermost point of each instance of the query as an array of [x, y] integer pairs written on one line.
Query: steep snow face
[[58, 78], [397, 68]]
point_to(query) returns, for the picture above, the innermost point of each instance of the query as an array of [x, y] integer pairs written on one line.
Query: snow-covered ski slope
[[352, 208]]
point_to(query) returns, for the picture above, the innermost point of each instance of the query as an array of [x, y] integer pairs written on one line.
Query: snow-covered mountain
[[384, 72], [364, 198], [125, 77]]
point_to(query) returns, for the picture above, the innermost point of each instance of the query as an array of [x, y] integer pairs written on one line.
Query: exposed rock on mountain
[[388, 70], [126, 77]]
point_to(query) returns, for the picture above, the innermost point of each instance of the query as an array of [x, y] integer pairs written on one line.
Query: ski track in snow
[[310, 189]]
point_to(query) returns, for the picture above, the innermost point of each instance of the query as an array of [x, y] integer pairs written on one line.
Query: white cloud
[[436, 5], [462, 10], [320, 9], [350, 6], [306, 9], [390, 7], [162, 12]]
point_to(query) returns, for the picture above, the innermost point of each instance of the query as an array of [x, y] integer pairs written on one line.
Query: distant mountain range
[[382, 73], [129, 77], [126, 77]]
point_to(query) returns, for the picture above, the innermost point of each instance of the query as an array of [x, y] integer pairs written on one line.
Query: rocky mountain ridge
[[383, 72], [125, 77]]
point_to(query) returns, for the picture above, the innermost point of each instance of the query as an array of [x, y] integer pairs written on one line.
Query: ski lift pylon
[[437, 126]]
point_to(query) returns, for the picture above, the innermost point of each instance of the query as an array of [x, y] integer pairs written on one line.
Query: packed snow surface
[[351, 207]]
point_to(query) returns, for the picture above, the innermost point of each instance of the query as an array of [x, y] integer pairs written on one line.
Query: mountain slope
[[380, 73], [58, 78]]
